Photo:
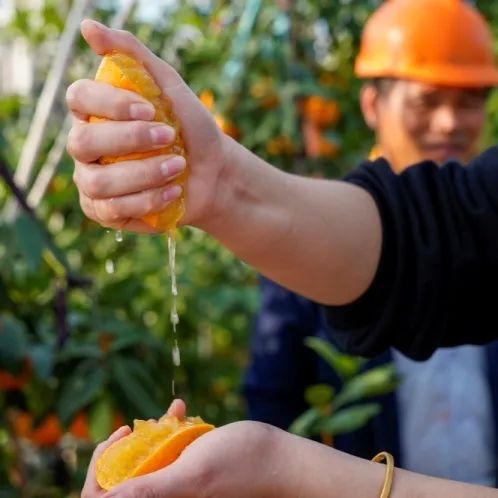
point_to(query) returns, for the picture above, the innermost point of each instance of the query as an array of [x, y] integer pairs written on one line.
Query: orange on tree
[[280, 146], [46, 434], [49, 431], [315, 144], [151, 446], [122, 71], [320, 111], [226, 126], [207, 98], [14, 382]]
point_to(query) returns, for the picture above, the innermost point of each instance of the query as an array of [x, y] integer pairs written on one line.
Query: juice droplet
[[109, 266], [176, 354]]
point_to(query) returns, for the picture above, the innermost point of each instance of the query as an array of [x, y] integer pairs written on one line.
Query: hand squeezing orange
[[151, 446], [122, 71]]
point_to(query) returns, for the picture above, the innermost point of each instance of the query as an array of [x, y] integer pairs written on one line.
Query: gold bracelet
[[388, 481]]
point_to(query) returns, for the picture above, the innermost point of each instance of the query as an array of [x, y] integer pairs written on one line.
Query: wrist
[[249, 202], [222, 200]]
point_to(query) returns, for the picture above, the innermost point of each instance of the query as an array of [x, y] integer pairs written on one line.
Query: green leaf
[[347, 420], [375, 382], [344, 365], [80, 389], [13, 341], [76, 350], [133, 339], [100, 419], [42, 359], [305, 423], [30, 240], [135, 383], [319, 394]]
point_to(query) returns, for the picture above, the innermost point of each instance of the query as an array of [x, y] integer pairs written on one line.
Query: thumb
[[103, 40], [177, 409]]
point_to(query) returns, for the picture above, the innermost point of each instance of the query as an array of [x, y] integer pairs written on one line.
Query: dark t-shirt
[[437, 280]]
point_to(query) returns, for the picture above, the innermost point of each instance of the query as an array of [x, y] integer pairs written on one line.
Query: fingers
[[87, 142], [91, 489], [117, 212], [148, 486], [103, 40], [177, 409], [91, 98], [126, 177]]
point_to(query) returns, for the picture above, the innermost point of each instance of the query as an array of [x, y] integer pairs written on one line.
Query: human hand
[[91, 488], [236, 460], [119, 196]]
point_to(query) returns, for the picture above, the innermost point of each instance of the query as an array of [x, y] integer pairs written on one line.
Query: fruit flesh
[[151, 446]]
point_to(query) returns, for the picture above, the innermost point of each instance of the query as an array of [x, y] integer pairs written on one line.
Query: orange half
[[151, 446], [122, 71]]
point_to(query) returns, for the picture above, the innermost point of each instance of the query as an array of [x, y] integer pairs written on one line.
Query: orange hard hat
[[443, 42]]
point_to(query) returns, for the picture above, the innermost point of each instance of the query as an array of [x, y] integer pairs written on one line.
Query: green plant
[[334, 413]]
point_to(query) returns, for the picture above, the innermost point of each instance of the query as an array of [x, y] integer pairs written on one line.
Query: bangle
[[388, 480]]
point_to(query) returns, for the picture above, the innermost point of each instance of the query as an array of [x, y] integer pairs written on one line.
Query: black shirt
[[438, 274]]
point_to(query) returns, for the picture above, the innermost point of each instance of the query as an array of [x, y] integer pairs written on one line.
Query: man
[[405, 261], [443, 419]]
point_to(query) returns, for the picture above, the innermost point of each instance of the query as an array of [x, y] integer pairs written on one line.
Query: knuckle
[[123, 107], [152, 172], [78, 140], [151, 202], [127, 36], [111, 211], [95, 184], [74, 93], [138, 135], [76, 176]]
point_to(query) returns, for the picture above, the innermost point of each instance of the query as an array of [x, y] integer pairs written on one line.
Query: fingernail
[[141, 111], [172, 193], [162, 135], [173, 166]]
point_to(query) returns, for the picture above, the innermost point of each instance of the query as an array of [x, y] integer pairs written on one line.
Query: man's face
[[417, 121]]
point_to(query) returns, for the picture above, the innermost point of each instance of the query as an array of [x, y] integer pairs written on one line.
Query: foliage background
[[91, 314]]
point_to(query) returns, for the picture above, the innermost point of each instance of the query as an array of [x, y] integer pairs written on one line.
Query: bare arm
[[253, 460], [319, 238], [317, 471]]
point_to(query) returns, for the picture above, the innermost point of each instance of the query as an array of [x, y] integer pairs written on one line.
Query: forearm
[[313, 470], [319, 238]]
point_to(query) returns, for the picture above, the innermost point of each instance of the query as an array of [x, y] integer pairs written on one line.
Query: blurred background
[[85, 338]]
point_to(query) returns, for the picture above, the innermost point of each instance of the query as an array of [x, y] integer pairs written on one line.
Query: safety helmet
[[445, 42]]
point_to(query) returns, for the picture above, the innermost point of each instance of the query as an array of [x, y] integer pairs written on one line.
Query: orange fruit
[[122, 71], [280, 146], [315, 144], [207, 98], [46, 434], [151, 446], [226, 126], [320, 111], [15, 382]]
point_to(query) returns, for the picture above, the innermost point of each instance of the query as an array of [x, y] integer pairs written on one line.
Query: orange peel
[[151, 446]]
